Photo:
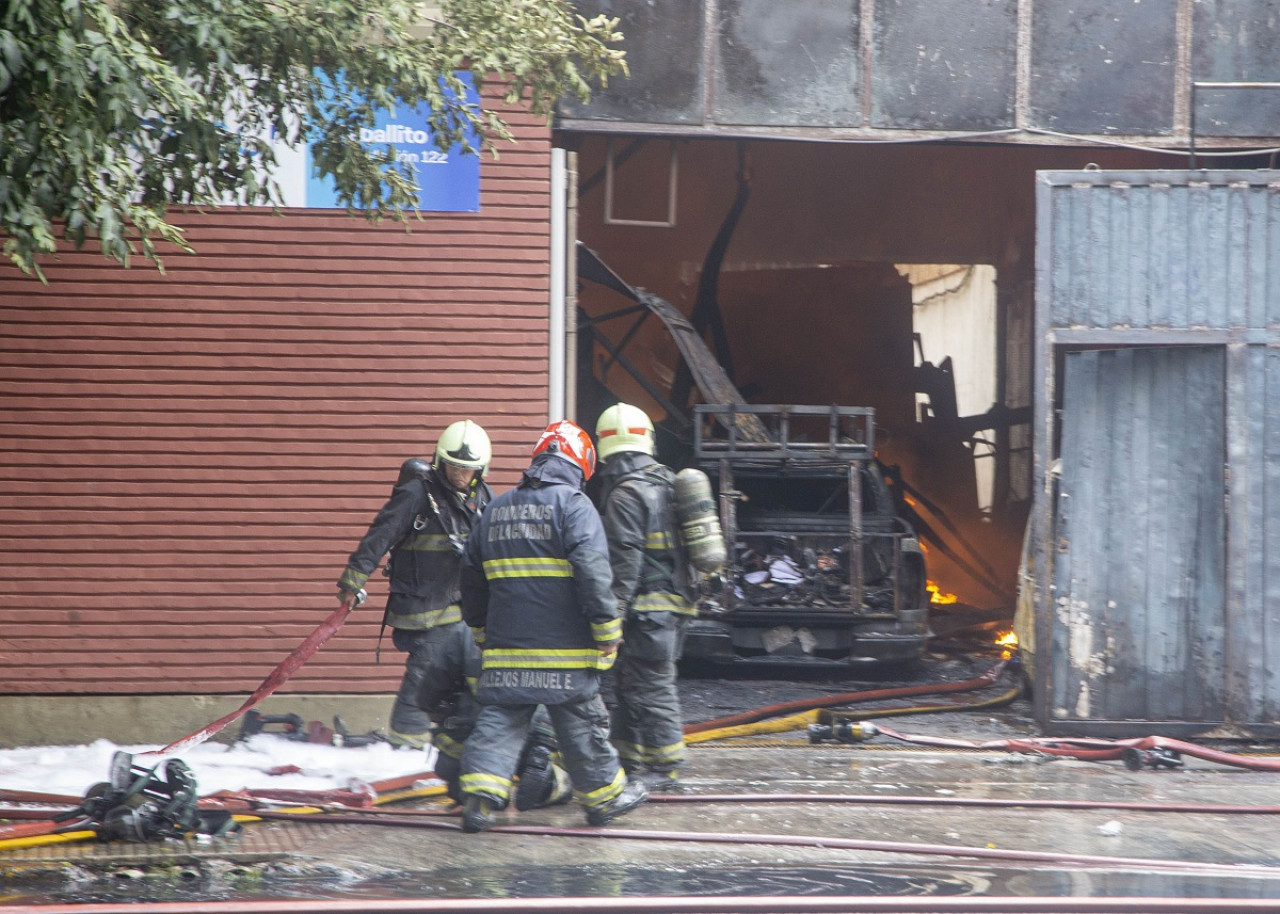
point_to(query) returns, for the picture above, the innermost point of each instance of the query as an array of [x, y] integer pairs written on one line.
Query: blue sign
[[447, 181]]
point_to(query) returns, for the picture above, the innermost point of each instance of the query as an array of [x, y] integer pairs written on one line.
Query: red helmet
[[567, 440]]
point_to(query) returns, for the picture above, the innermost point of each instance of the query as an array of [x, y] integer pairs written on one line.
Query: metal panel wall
[[1232, 40], [793, 63], [1138, 584], [1187, 263], [950, 65], [666, 54], [190, 457], [1042, 71], [1102, 67]]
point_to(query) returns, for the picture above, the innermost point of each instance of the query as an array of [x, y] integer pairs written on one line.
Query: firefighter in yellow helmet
[[637, 503], [424, 525]]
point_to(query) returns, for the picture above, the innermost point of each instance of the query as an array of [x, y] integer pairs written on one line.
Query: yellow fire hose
[[394, 796], [819, 715]]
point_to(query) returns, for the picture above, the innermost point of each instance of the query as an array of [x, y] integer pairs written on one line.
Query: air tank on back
[[699, 522]]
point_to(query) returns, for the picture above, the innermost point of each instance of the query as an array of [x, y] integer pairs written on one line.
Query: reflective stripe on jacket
[[425, 562], [535, 584], [637, 504]]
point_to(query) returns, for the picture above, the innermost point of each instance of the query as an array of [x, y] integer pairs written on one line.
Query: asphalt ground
[[771, 815]]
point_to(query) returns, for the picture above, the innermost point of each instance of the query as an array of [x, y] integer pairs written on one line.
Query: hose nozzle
[[842, 732], [1136, 759]]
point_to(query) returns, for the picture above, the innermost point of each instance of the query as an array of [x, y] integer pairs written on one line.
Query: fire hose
[[1152, 751], [814, 841], [823, 723], [75, 819], [1137, 752], [846, 698], [430, 818], [276, 678], [136, 802]]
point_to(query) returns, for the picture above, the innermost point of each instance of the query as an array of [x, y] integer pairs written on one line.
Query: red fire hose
[[1092, 750], [278, 677], [846, 698], [824, 841]]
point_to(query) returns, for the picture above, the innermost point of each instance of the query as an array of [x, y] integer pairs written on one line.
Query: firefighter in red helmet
[[536, 593]]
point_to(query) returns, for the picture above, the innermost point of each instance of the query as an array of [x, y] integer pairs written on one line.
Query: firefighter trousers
[[646, 730], [421, 648], [581, 726]]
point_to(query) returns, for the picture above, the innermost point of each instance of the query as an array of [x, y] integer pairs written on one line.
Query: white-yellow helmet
[[464, 444], [623, 427]]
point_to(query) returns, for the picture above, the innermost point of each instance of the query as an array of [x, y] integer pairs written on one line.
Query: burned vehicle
[[820, 567]]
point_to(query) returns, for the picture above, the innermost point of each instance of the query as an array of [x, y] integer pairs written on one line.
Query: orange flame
[[937, 597]]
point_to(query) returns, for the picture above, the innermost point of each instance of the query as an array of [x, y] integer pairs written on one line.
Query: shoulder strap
[[657, 474]]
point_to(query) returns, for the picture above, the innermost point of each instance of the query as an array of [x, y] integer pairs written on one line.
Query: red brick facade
[[190, 456]]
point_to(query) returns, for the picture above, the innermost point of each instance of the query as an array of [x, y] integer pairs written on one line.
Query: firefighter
[[447, 694], [637, 503], [535, 591], [424, 525]]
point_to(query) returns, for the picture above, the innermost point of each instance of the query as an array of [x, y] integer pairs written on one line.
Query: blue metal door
[[1138, 629]]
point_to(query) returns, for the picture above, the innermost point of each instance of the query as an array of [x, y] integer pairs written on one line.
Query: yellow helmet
[[623, 427], [464, 444]]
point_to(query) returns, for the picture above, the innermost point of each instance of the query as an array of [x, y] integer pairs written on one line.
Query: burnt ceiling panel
[[949, 64], [1045, 71], [664, 41], [1236, 41], [1101, 67], [788, 64]]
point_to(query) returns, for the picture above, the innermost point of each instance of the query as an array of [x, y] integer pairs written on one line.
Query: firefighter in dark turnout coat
[[424, 525], [637, 505], [536, 592]]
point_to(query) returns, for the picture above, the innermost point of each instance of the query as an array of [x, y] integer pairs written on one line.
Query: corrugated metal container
[[1156, 532], [189, 458]]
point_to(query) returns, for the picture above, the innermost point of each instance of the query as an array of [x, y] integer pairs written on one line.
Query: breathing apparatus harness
[[137, 804], [417, 468]]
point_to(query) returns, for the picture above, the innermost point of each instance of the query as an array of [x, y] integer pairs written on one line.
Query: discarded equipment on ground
[[136, 804], [292, 727]]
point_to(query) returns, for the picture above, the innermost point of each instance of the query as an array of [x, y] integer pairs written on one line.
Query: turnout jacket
[[536, 590], [637, 504], [424, 525]]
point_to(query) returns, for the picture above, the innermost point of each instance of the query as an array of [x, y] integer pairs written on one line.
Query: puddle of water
[[636, 882]]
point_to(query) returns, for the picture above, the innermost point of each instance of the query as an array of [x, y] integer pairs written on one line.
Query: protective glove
[[355, 597]]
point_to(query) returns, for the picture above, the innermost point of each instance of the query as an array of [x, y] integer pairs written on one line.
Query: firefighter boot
[[632, 796], [542, 782], [661, 781], [478, 813]]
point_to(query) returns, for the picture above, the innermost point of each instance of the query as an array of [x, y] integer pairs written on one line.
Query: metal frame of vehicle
[[821, 569]]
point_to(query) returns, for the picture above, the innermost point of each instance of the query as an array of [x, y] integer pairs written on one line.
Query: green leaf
[[115, 110]]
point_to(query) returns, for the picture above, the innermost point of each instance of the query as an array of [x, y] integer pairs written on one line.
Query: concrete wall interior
[[954, 324], [816, 310]]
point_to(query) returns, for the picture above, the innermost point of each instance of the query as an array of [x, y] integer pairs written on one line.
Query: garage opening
[[894, 277]]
